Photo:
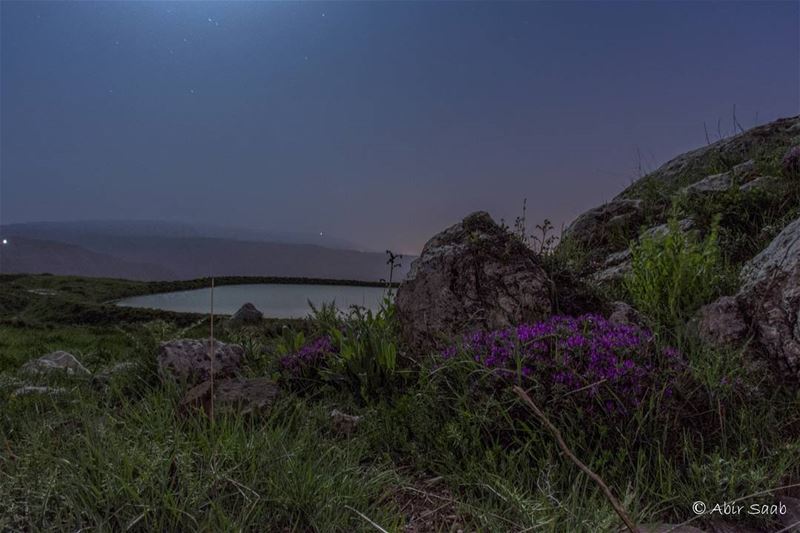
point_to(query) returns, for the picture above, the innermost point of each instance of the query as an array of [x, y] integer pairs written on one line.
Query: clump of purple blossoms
[[791, 162], [308, 359], [587, 359]]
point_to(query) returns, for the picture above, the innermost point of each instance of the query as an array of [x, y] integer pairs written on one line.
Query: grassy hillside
[[443, 444]]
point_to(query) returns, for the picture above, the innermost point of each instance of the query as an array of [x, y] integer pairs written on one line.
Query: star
[[5, 241]]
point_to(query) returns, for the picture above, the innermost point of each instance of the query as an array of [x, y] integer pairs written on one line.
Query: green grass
[[119, 456]]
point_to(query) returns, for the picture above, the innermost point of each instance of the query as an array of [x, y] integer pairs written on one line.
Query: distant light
[[5, 241], [320, 234]]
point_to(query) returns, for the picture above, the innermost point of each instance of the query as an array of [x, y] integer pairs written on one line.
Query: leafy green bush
[[673, 274], [367, 351]]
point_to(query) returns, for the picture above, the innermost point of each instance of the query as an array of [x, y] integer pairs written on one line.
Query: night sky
[[380, 123]]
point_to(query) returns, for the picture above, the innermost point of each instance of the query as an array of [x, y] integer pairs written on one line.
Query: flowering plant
[[309, 358], [603, 366]]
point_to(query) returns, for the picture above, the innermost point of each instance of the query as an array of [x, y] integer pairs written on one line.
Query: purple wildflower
[[614, 366]]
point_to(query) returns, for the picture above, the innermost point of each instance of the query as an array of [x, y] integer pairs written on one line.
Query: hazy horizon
[[376, 123]]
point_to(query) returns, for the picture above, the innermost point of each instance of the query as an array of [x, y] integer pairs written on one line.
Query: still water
[[274, 300]]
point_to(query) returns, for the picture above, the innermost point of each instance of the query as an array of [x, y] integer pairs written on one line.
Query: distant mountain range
[[152, 250]]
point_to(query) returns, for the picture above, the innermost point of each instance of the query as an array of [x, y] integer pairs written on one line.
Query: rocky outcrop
[[243, 396], [730, 151], [472, 275], [246, 315], [189, 360], [604, 233], [768, 304], [56, 362]]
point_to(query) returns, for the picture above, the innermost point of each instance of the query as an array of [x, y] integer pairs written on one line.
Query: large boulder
[[767, 306], [190, 361], [473, 275], [770, 297], [247, 314], [56, 362], [240, 395]]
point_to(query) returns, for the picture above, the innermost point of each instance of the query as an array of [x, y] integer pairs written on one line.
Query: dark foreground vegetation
[[432, 439]]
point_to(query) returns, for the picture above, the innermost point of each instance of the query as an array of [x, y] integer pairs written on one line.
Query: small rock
[[684, 225], [243, 395], [29, 390], [247, 314], [715, 183], [344, 424], [59, 361], [624, 314], [188, 360], [614, 272], [722, 323]]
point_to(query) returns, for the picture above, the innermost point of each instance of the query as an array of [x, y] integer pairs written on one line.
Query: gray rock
[[614, 273], [684, 225], [768, 302], [56, 362], [344, 424], [722, 322], [715, 183], [30, 390], [770, 297], [189, 360], [247, 314], [624, 314], [472, 275], [241, 395], [599, 230], [762, 183]]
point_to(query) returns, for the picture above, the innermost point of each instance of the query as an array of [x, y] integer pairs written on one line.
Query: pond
[[275, 300]]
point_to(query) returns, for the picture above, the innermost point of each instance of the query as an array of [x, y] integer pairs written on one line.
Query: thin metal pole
[[211, 352]]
